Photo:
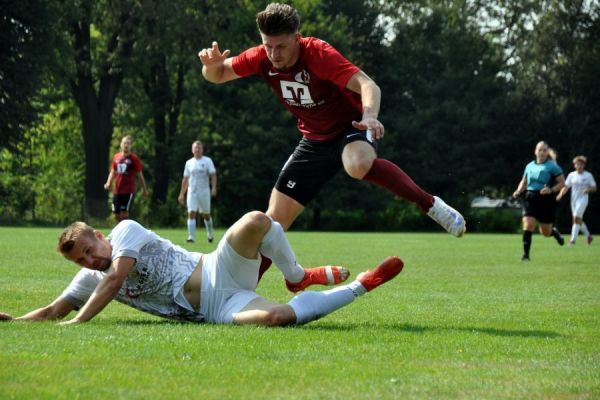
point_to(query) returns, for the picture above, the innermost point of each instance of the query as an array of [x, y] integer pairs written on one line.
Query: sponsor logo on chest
[[297, 92]]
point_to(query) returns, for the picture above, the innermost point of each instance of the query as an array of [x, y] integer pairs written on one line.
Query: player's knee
[[256, 220], [358, 168]]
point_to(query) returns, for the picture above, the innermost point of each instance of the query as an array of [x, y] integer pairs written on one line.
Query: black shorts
[[315, 162], [539, 206], [122, 202]]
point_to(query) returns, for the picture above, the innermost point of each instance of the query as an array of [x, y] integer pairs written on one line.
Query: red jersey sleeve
[[332, 66], [248, 62]]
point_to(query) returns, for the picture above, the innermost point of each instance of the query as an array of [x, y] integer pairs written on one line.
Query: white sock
[[209, 227], [574, 232], [584, 229], [276, 246], [310, 306], [191, 228]]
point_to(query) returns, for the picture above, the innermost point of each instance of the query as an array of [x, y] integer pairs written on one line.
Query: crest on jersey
[[302, 77]]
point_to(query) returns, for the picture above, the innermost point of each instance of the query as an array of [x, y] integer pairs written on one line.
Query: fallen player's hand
[[5, 317]]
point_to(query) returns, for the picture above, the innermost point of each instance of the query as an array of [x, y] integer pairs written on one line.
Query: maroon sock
[[265, 264], [389, 176]]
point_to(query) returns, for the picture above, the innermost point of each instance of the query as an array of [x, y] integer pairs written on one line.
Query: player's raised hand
[[213, 56]]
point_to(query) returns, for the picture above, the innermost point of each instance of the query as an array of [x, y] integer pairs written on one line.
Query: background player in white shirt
[[197, 172], [137, 267], [582, 183]]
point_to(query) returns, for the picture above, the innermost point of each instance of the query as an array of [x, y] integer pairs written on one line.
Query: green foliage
[[25, 59], [464, 320], [467, 90]]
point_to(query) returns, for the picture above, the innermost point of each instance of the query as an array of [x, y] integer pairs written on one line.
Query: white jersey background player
[[200, 182], [581, 183]]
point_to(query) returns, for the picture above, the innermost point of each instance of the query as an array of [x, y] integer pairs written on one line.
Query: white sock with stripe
[[209, 227], [276, 246], [309, 306], [584, 229], [574, 232], [191, 223]]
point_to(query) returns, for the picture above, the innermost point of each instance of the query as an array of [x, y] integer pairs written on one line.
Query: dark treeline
[[468, 88]]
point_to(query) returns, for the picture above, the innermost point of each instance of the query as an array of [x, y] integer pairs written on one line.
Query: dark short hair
[[278, 19]]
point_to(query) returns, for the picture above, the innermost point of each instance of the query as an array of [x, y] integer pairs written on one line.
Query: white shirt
[[578, 183], [198, 171], [154, 284]]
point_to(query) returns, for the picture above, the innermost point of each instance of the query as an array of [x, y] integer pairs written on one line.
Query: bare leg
[[283, 209], [263, 312]]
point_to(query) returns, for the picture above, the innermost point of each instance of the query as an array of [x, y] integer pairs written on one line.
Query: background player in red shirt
[[125, 166]]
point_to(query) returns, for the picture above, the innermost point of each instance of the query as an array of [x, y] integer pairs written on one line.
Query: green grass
[[465, 320]]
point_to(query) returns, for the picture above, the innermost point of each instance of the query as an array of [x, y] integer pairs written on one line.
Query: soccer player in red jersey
[[336, 105], [126, 165]]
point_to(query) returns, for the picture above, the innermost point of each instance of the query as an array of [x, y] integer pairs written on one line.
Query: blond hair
[[582, 159], [71, 234]]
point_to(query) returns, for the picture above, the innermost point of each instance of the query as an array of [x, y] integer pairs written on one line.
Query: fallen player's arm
[[58, 309], [106, 290]]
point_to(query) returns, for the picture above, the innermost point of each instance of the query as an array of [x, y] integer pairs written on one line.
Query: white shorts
[[578, 207], [199, 201], [228, 283]]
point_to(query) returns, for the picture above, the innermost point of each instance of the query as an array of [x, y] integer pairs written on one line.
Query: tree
[[101, 36], [26, 49]]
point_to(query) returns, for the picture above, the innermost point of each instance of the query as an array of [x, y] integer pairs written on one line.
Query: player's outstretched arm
[[521, 187], [111, 177], [216, 66], [106, 290], [58, 309], [370, 95]]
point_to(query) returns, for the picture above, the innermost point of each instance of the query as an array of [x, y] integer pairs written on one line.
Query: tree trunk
[[96, 108]]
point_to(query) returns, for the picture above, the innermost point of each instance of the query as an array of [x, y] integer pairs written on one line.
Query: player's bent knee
[[256, 220], [358, 169]]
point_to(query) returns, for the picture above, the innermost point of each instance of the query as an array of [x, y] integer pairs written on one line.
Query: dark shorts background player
[[137, 267], [336, 105], [541, 179], [125, 166]]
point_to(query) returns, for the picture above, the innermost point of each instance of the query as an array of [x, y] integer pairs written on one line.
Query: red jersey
[[314, 89], [125, 167]]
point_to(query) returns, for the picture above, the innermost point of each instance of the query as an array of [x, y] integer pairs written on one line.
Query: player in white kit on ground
[[135, 266]]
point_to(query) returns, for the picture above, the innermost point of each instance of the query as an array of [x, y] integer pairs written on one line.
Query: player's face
[[92, 252], [578, 166], [197, 150], [541, 152], [282, 50], [125, 145]]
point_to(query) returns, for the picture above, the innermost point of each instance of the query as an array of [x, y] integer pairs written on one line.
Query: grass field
[[466, 319]]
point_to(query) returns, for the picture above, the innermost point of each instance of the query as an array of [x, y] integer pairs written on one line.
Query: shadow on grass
[[396, 327], [150, 322], [433, 329]]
